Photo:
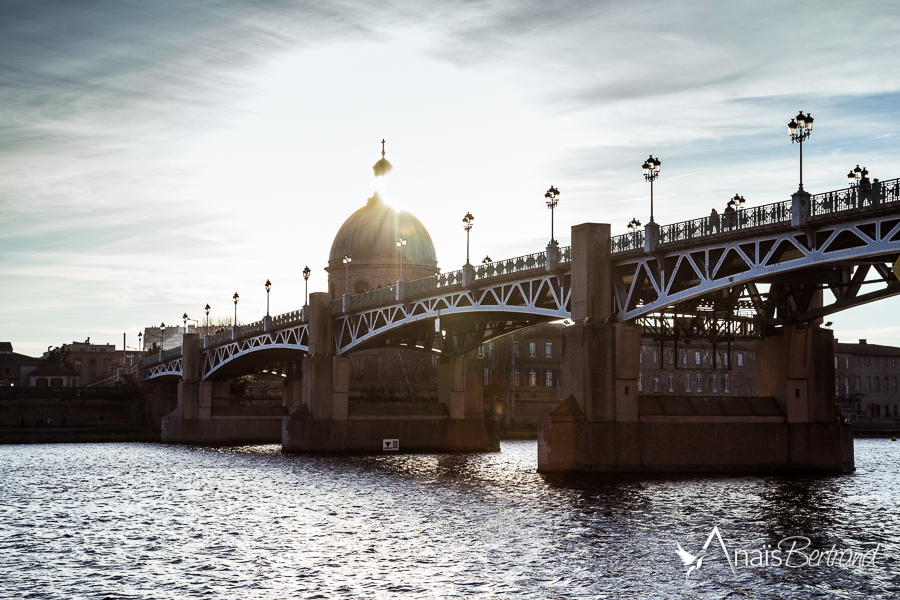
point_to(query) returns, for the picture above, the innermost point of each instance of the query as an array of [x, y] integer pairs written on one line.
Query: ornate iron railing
[[536, 260], [757, 216], [877, 192], [627, 241]]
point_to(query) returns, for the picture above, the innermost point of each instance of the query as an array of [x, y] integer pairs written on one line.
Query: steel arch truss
[[815, 255], [292, 338], [171, 368], [465, 317]]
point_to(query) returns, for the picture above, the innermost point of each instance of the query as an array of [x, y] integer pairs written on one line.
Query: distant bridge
[[702, 270]]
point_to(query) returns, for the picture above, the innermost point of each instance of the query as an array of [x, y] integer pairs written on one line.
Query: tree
[[58, 356]]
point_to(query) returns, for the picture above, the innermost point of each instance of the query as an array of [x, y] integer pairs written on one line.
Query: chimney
[[862, 342]]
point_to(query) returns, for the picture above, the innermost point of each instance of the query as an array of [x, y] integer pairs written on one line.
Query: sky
[[159, 156]]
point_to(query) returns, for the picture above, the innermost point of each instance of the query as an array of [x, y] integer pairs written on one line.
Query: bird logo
[[687, 558], [694, 562]]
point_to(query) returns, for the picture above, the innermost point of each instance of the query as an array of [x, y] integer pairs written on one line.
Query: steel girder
[[171, 368], [294, 338], [462, 318], [648, 283]]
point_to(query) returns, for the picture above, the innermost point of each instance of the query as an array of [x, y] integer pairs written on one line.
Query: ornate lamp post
[[400, 243], [306, 273], [268, 289], [487, 260], [141, 341], [347, 260], [651, 172], [206, 308], [235, 298], [634, 225], [552, 197], [468, 220], [185, 318], [162, 336], [800, 128]]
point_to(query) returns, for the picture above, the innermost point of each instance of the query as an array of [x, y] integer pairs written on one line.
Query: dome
[[370, 235]]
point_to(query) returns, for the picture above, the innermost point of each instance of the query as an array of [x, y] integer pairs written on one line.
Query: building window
[[846, 387], [671, 382], [490, 352], [548, 350], [846, 362], [548, 378], [727, 382], [655, 356], [868, 383], [56, 382], [740, 359], [532, 349], [515, 348], [641, 381], [687, 382], [877, 384], [641, 356], [725, 358], [480, 352], [835, 362], [895, 385], [488, 376], [92, 362], [77, 362], [699, 383], [532, 378], [715, 383], [684, 358], [857, 383], [656, 384], [696, 358], [517, 380], [748, 385], [837, 385]]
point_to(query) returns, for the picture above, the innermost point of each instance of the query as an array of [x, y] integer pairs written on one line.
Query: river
[[157, 521]]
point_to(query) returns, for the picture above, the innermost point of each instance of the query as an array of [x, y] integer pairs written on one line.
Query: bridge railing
[[756, 216], [627, 241], [878, 192]]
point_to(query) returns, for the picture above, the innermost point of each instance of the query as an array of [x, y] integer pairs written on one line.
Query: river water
[[157, 521]]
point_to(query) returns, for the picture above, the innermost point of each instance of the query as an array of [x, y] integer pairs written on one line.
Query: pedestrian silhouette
[[714, 224], [729, 217]]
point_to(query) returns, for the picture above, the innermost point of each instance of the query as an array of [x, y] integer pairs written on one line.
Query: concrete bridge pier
[[194, 421], [604, 425], [326, 421]]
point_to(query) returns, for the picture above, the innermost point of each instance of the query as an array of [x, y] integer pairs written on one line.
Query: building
[[54, 376], [369, 237], [698, 368], [168, 337], [866, 381], [15, 367], [91, 361]]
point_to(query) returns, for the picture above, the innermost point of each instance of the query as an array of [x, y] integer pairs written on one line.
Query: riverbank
[[78, 435]]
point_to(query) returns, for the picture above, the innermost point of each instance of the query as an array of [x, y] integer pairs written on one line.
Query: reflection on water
[[155, 521]]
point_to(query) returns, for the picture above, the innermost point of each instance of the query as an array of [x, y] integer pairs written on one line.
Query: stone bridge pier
[[605, 425], [326, 421], [196, 421]]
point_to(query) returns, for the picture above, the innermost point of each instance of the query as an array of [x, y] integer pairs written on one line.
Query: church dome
[[370, 235]]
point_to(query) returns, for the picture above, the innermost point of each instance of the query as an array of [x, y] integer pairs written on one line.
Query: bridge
[[762, 271]]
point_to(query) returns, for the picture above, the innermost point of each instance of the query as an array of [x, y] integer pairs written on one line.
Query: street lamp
[[467, 225], [162, 336], [185, 317], [800, 128], [651, 172], [634, 225], [235, 298], [400, 243], [347, 260], [141, 341], [206, 308], [737, 202], [487, 260], [552, 197], [306, 273], [268, 289]]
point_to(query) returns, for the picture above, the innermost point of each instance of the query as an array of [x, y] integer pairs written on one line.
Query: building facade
[[92, 361], [15, 367], [866, 381]]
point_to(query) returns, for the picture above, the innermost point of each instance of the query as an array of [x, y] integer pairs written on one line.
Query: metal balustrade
[[881, 192]]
